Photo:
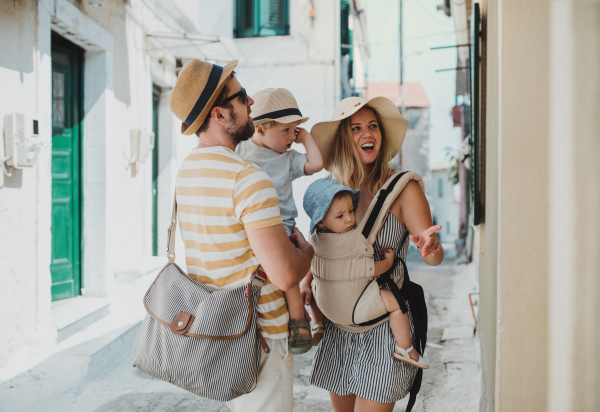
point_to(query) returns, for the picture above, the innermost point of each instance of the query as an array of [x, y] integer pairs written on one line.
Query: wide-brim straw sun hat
[[392, 122], [275, 105], [198, 86]]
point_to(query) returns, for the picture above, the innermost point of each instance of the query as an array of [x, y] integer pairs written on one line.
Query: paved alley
[[451, 383]]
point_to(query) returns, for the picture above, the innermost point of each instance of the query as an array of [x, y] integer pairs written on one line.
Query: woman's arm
[[412, 210]]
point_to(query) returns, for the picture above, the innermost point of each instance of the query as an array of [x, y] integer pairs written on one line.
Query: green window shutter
[[477, 168], [246, 11], [346, 36], [274, 18], [261, 18]]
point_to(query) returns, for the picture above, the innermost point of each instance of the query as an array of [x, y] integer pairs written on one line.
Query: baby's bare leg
[[295, 306], [398, 322]]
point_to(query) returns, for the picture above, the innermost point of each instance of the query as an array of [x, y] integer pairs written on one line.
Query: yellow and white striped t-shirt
[[220, 197]]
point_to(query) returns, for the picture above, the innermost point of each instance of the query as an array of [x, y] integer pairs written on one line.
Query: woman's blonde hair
[[346, 159]]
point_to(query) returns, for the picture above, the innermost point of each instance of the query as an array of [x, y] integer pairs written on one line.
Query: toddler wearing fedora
[[276, 117]]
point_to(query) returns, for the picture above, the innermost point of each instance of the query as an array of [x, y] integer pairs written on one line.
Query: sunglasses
[[242, 93]]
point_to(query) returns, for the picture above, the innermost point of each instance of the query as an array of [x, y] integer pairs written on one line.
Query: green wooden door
[[155, 170], [65, 266]]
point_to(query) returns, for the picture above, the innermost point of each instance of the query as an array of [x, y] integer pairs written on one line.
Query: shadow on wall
[[118, 27], [15, 181], [18, 25]]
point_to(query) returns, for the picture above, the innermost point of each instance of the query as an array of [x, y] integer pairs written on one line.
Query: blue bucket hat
[[318, 198]]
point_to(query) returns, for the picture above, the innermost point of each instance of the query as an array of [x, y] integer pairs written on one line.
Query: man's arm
[[284, 262]]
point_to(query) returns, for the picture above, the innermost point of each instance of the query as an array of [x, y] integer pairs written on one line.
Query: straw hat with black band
[[198, 86], [392, 122], [275, 105]]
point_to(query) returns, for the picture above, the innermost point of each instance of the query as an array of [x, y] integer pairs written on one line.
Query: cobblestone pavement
[[451, 383]]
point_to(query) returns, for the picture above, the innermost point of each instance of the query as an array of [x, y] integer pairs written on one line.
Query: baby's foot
[[410, 356], [318, 330]]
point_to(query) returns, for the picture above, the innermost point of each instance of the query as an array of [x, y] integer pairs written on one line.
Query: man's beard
[[240, 133]]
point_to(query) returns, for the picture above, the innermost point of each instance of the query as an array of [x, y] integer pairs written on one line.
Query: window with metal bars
[[261, 18], [346, 34]]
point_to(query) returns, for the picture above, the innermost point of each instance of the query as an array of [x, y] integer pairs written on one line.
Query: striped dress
[[363, 364], [220, 197]]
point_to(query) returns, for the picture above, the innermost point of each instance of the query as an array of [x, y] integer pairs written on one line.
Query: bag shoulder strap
[[171, 231], [385, 197], [259, 277]]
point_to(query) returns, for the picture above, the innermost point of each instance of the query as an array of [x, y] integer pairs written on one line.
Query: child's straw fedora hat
[[392, 122], [198, 86], [275, 105]]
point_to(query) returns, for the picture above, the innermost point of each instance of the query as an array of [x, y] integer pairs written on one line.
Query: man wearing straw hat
[[230, 221]]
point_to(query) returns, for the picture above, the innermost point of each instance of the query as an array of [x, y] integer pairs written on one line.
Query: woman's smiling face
[[366, 134]]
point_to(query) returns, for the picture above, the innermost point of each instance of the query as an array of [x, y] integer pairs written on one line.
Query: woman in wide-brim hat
[[359, 369]]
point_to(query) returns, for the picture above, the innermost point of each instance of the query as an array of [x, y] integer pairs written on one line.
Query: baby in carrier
[[276, 118], [331, 207]]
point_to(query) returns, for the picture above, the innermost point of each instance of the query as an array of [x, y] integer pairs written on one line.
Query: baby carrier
[[343, 266]]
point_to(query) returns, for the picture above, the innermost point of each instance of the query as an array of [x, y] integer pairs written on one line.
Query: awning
[[196, 46]]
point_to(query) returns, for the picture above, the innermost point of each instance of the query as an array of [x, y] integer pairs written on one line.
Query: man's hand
[[427, 241], [297, 238], [285, 260]]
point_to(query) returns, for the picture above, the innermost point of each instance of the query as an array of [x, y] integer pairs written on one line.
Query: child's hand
[[388, 255], [301, 134]]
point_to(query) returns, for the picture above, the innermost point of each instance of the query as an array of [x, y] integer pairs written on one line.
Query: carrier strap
[[418, 309], [381, 196]]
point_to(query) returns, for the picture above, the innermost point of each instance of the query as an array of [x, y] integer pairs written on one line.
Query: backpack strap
[[375, 215], [376, 210], [259, 277]]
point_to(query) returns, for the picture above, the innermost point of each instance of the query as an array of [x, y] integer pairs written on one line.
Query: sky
[[424, 27]]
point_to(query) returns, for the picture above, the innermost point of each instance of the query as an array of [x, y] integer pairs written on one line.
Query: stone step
[[70, 316], [68, 369]]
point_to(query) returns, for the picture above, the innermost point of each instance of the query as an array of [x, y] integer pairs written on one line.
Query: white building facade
[[96, 76], [444, 198]]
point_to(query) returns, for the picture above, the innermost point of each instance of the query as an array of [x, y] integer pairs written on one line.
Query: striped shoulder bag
[[203, 340]]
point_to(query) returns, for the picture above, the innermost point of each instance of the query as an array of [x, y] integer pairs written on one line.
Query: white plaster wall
[[20, 216], [574, 201], [522, 121], [446, 209], [117, 224], [305, 62]]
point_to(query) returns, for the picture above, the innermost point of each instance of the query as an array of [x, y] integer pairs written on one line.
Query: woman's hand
[[427, 241]]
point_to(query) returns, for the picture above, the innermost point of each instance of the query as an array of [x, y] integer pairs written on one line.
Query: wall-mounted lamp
[[142, 143]]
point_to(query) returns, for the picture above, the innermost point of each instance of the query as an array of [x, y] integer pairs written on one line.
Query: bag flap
[[194, 309]]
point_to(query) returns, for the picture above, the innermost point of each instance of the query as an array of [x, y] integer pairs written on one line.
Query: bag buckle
[[169, 234], [259, 277]]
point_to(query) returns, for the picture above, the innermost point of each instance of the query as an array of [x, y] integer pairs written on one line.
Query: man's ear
[[217, 115]]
